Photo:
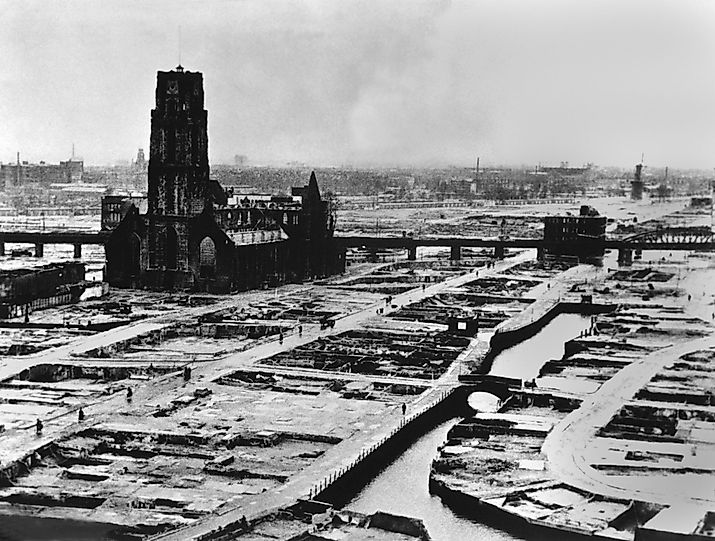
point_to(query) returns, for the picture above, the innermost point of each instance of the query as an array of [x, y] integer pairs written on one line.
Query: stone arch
[[171, 248], [207, 258]]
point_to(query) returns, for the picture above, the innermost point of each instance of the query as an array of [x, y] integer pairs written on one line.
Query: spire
[[179, 67], [313, 189]]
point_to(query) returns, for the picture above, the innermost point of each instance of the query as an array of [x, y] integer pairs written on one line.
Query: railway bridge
[[666, 238]]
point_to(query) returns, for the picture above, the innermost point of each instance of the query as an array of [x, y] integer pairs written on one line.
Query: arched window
[[133, 261], [207, 258], [171, 248]]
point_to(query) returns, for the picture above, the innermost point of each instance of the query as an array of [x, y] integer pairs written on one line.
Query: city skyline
[[369, 84]]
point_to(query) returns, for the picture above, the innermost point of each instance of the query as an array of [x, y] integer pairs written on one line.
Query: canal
[[525, 359], [402, 487]]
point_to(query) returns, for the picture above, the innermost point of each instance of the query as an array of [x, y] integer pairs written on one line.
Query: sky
[[368, 82]]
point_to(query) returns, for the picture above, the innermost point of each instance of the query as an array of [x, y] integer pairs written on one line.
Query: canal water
[[402, 487], [524, 360]]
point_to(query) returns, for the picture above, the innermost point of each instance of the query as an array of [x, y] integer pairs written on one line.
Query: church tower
[[178, 170], [178, 156]]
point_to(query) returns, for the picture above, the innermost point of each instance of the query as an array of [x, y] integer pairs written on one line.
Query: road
[[339, 456], [16, 444], [567, 445]]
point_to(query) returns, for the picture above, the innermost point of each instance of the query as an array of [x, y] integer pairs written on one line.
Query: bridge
[[59, 236], [667, 238], [454, 243]]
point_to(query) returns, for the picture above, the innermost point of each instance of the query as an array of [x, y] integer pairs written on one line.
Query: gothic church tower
[[178, 166]]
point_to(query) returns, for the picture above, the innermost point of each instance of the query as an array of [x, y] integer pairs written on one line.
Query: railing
[[331, 477]]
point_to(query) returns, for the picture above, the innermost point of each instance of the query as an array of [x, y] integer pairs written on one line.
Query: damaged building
[[25, 290], [193, 235], [582, 236]]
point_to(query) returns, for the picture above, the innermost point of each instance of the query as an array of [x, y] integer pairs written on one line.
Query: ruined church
[[196, 236]]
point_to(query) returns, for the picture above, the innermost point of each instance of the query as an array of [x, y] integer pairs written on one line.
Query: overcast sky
[[369, 82]]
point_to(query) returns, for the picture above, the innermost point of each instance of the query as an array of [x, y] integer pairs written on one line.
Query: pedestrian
[[300, 330], [38, 427], [187, 369], [404, 408], [129, 394], [80, 415]]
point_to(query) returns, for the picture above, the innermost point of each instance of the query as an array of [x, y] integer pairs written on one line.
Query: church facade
[[194, 236]]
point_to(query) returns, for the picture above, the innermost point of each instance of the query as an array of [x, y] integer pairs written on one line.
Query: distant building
[[140, 164], [637, 184], [194, 235], [583, 235], [464, 188], [23, 173], [564, 170]]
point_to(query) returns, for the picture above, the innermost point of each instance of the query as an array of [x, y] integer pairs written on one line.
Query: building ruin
[[193, 236]]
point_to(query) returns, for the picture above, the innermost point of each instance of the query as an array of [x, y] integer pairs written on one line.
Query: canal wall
[[471, 506], [339, 487], [502, 340]]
